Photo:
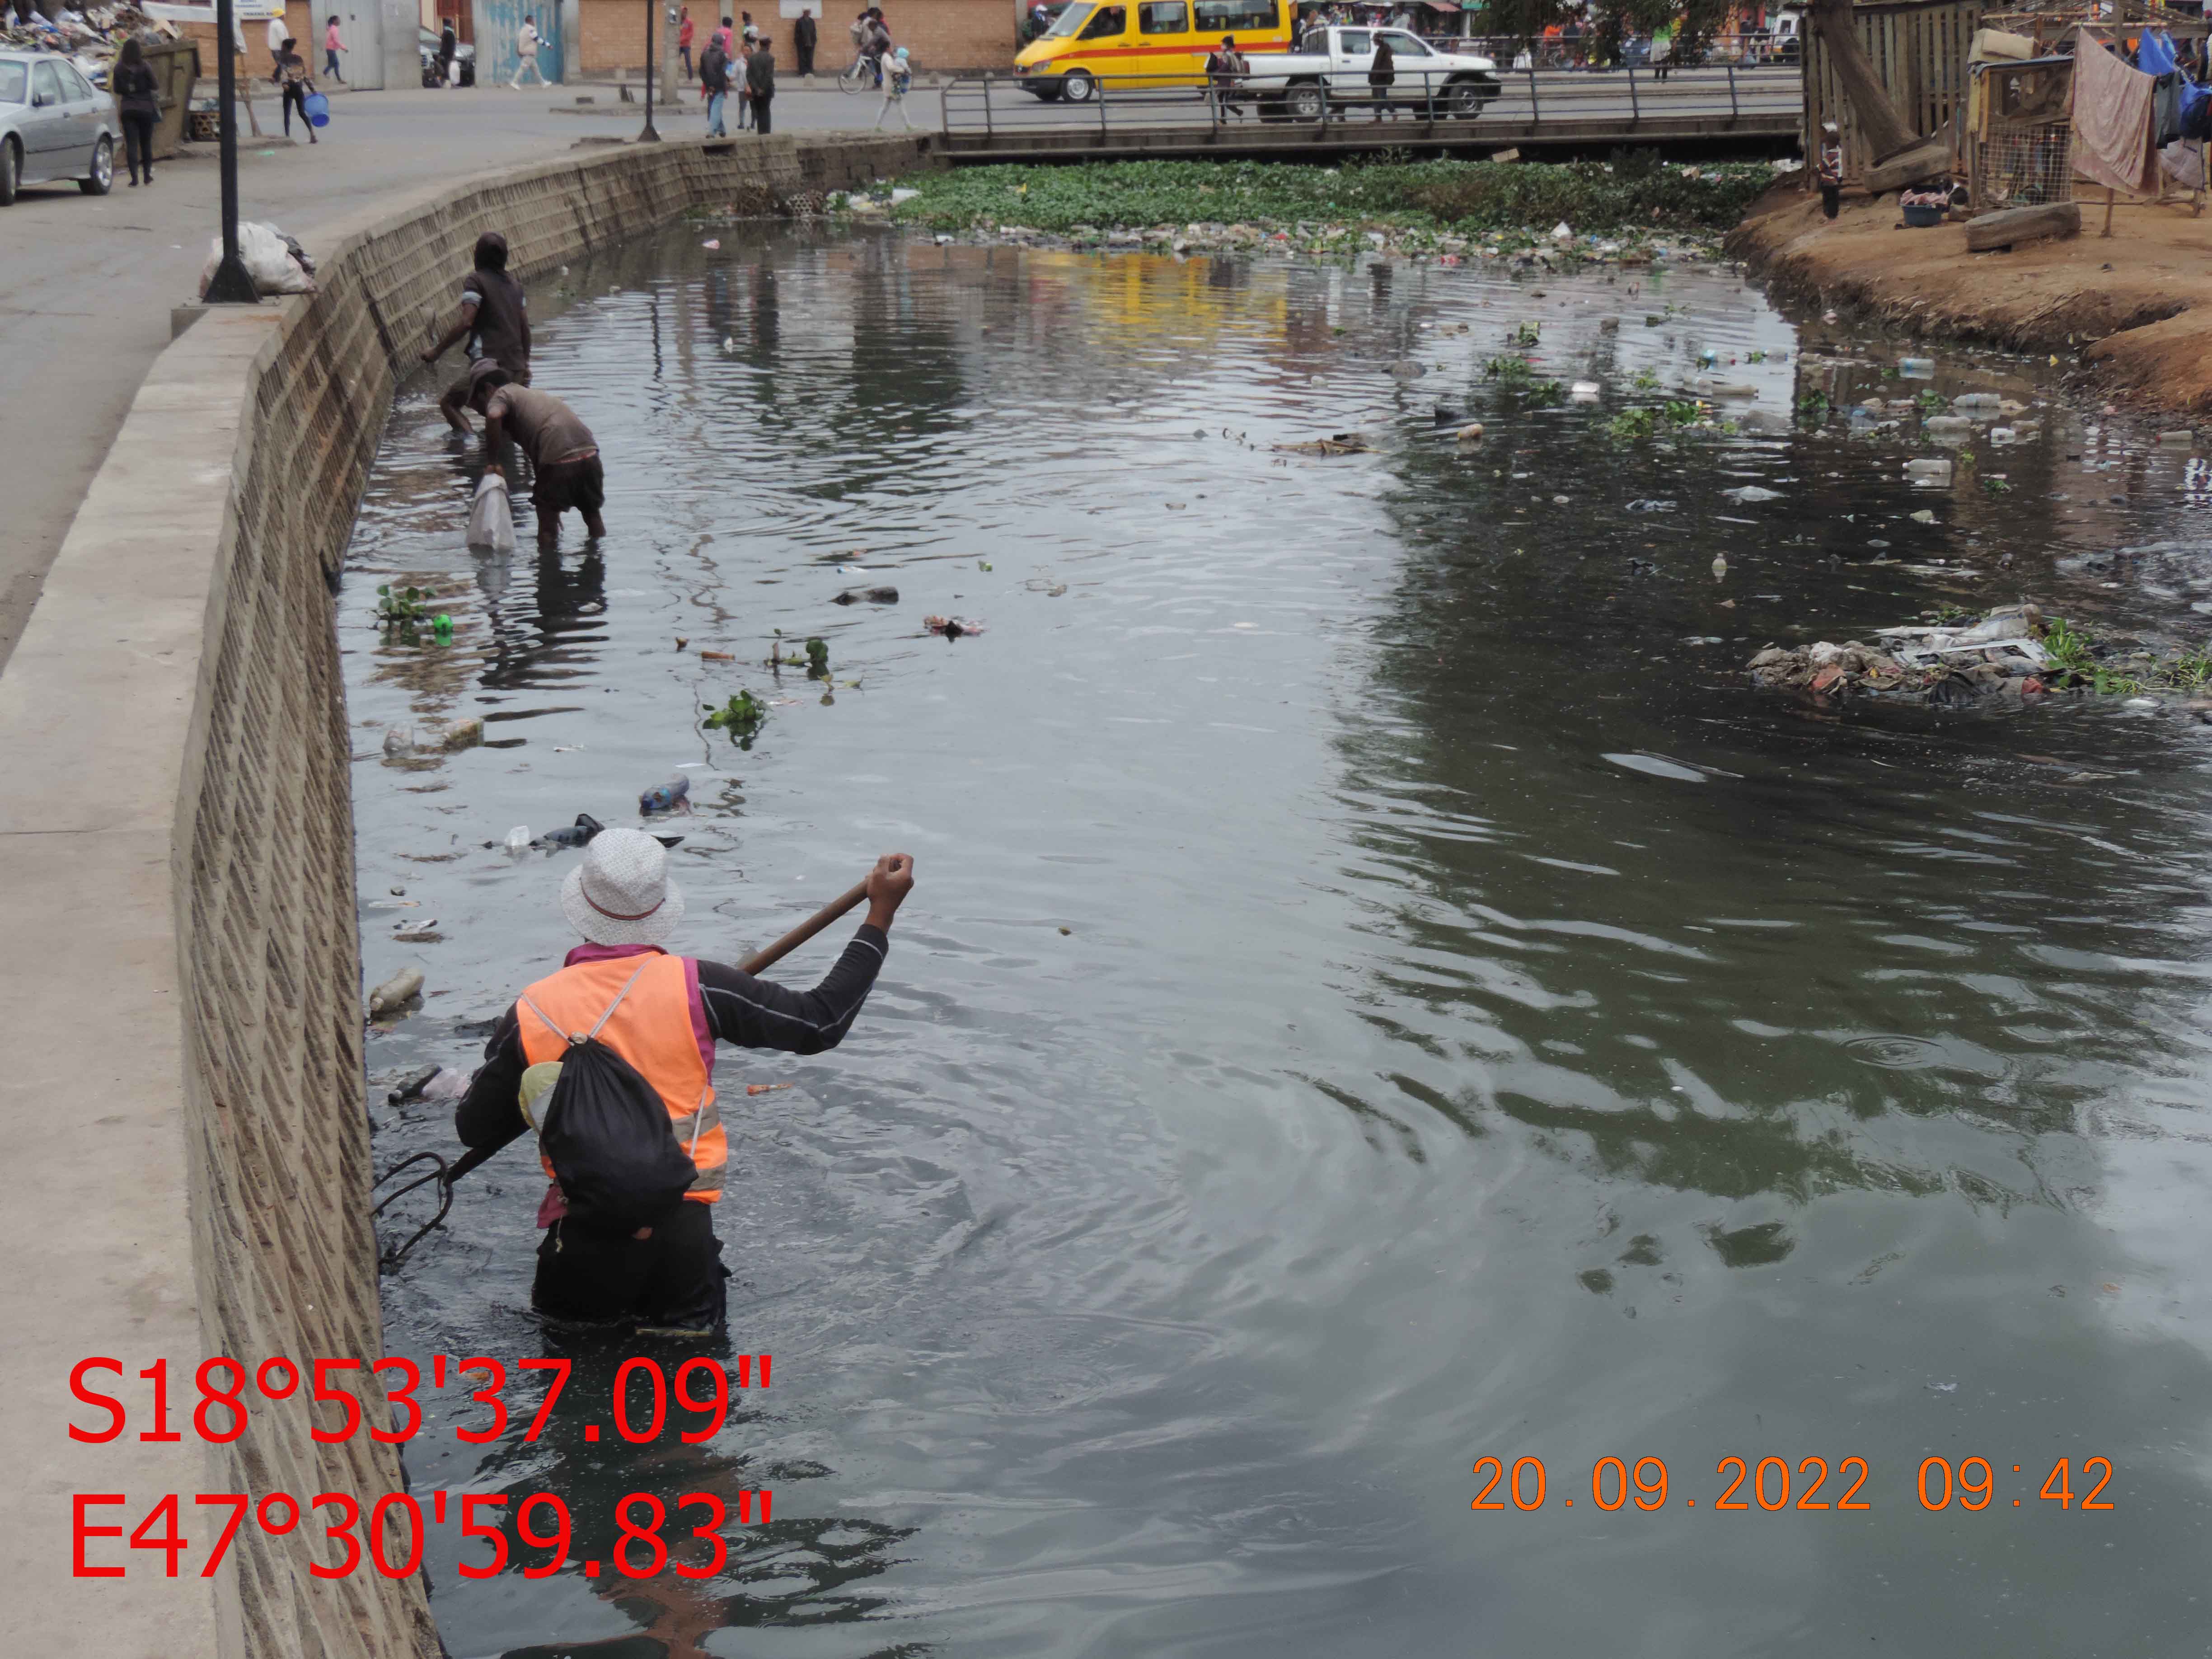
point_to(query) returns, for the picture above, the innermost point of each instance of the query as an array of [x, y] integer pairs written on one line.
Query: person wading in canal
[[495, 319], [621, 1004], [564, 456]]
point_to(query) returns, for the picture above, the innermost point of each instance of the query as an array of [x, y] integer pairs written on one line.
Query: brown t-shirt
[[543, 427], [499, 328]]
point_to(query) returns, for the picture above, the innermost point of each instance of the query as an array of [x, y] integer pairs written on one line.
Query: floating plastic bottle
[[666, 797], [1977, 403], [518, 839], [1916, 368], [441, 629]]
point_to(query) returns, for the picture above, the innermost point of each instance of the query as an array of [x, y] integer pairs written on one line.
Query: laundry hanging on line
[[2113, 121]]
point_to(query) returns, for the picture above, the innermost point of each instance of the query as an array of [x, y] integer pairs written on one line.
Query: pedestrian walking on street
[[804, 35], [277, 37], [897, 78], [739, 60], [294, 80], [683, 40], [525, 47], [715, 84], [760, 82], [138, 101], [1224, 69], [333, 44], [448, 44], [1382, 75], [495, 319]]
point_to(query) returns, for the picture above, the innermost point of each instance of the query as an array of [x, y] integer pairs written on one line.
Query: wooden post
[[2110, 194], [1886, 129]]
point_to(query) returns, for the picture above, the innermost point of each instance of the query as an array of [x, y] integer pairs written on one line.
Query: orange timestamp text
[[1772, 1483]]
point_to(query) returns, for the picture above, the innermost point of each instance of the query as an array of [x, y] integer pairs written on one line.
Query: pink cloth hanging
[[2113, 140]]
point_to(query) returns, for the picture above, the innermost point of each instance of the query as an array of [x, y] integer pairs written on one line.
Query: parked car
[[426, 41], [54, 125], [1330, 68]]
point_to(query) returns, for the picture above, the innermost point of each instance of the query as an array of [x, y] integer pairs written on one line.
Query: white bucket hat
[[620, 894]]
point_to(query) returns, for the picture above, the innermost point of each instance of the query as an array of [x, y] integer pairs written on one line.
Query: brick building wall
[[298, 16], [611, 35], [941, 34], [944, 34]]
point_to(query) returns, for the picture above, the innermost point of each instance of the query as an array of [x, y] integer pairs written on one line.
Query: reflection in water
[[1383, 991]]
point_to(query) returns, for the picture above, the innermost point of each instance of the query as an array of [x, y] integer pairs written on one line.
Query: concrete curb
[[173, 728]]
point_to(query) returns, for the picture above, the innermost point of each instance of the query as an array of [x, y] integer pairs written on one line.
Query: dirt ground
[[2138, 305]]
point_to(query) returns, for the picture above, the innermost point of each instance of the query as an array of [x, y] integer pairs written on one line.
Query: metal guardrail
[[999, 107]]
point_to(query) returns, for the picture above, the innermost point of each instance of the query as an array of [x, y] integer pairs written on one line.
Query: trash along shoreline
[[2137, 306], [2011, 653], [1634, 211]]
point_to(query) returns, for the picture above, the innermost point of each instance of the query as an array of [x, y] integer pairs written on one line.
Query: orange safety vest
[[659, 1027]]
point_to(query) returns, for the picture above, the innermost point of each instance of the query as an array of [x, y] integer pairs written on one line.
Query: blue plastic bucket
[[318, 109]]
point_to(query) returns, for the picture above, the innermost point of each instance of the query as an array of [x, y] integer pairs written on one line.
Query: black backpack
[[606, 1133]]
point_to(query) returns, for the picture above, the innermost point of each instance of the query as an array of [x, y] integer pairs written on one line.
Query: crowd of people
[[739, 59]]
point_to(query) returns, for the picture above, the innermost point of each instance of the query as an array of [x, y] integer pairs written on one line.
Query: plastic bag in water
[[491, 521]]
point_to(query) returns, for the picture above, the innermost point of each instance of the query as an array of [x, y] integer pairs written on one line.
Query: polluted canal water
[[1385, 992]]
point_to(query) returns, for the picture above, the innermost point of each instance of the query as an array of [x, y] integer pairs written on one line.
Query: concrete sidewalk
[[86, 283]]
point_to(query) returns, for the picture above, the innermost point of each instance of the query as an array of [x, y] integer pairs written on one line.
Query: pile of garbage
[[89, 38], [1999, 655]]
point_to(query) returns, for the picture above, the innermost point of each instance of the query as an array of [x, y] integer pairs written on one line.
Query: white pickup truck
[[1330, 67]]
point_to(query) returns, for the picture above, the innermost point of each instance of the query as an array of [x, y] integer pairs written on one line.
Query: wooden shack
[[1919, 50]]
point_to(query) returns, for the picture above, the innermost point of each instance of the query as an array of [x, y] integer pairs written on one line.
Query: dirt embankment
[[2138, 304]]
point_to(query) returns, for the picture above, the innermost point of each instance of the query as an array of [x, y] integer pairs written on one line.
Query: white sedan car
[[54, 125]]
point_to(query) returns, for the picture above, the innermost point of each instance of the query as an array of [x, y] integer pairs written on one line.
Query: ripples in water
[[1383, 991]]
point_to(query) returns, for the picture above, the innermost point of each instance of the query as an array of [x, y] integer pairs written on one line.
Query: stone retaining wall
[[185, 1120]]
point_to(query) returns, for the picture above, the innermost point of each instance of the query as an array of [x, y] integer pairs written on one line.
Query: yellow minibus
[[1145, 43]]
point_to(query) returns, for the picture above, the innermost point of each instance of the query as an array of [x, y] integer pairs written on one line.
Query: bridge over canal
[[1723, 109]]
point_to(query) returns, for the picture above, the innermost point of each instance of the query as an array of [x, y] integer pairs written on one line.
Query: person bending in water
[[564, 456]]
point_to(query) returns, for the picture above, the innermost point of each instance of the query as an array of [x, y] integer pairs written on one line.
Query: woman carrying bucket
[[294, 80]]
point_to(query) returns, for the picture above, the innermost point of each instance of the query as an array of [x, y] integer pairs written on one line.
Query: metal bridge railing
[[1443, 103]]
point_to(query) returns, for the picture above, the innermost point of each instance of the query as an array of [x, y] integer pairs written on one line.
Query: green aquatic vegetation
[[2190, 671], [2068, 647], [740, 717], [1646, 421], [1646, 381], [1527, 334], [1931, 402], [1812, 408], [404, 605], [1509, 371], [817, 660], [1100, 196], [1996, 487]]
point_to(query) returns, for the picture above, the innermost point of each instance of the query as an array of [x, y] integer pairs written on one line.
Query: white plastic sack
[[268, 261], [491, 521]]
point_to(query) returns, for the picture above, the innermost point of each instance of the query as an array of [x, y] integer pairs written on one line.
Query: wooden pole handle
[[805, 930]]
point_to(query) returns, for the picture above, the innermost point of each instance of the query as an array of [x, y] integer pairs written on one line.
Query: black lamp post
[[651, 135], [230, 285]]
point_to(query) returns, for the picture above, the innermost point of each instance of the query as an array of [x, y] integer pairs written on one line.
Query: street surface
[[86, 283]]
